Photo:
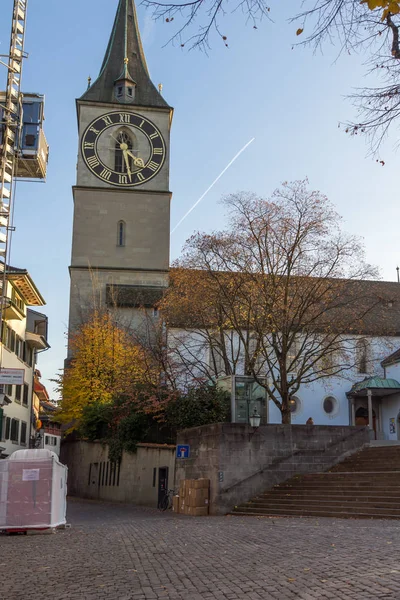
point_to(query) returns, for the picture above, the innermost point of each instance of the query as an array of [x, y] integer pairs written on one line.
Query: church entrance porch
[[368, 400]]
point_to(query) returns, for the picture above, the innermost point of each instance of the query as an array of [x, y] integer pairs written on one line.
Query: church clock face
[[123, 149]]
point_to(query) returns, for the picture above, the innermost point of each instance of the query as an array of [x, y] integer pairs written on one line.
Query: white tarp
[[33, 490]]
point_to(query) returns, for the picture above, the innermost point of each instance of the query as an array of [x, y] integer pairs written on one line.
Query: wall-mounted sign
[[392, 425], [12, 376], [182, 451]]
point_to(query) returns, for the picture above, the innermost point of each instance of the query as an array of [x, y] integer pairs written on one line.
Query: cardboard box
[[182, 505], [197, 511], [198, 498], [199, 484], [175, 504]]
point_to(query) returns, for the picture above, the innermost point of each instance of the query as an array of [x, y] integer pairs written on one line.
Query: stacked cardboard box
[[193, 497]]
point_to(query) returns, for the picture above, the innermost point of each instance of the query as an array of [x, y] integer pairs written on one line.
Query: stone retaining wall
[[241, 463], [134, 480]]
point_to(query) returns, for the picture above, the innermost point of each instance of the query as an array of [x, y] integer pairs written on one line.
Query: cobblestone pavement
[[117, 552]]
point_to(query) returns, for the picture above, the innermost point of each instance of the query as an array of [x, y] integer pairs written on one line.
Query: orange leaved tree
[[106, 365]]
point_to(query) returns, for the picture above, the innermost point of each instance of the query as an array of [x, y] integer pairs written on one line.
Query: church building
[[121, 237], [120, 242]]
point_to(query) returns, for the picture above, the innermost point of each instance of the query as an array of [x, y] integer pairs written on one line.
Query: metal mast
[[10, 131]]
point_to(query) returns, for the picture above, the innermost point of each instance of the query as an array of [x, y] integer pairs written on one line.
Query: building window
[[330, 405], [23, 433], [12, 338], [362, 356], [121, 233], [9, 390], [8, 428], [25, 398], [295, 405], [46, 440], [4, 332], [18, 389], [14, 433], [121, 161], [18, 346]]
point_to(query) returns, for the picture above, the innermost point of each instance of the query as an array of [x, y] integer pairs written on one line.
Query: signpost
[[12, 376], [182, 451]]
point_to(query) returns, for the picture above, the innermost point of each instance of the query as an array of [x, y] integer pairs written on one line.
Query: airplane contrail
[[213, 183]]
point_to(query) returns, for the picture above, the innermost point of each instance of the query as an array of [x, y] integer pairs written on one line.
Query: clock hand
[[138, 162], [125, 153]]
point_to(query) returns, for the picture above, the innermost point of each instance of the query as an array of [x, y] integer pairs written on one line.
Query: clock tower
[[120, 241]]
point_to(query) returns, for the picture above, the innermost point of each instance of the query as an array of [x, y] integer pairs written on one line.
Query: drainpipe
[[353, 411], [370, 417]]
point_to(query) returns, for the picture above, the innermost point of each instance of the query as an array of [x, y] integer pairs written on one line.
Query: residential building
[[23, 336], [48, 429]]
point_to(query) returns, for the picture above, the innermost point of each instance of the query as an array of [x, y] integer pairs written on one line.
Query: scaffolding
[[23, 147]]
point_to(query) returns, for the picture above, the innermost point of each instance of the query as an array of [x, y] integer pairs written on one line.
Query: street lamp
[[254, 420]]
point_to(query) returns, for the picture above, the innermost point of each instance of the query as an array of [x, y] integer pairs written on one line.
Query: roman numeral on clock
[[158, 151], [153, 166], [140, 176], [124, 118], [153, 135], [92, 162], [94, 130], [123, 179], [106, 174], [107, 120], [88, 145]]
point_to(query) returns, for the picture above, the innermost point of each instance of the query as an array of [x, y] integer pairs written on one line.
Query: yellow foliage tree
[[388, 6], [106, 364]]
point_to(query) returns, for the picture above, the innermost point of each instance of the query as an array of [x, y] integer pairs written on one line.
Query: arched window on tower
[[121, 230], [123, 137]]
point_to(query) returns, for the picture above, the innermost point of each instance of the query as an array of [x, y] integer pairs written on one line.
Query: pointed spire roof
[[124, 60]]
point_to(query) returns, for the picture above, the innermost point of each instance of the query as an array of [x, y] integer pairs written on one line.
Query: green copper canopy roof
[[124, 59], [375, 383]]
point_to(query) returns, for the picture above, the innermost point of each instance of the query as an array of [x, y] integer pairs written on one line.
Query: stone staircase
[[365, 485]]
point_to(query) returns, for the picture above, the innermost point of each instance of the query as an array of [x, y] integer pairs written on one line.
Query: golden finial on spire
[[126, 60], [160, 86], [89, 81]]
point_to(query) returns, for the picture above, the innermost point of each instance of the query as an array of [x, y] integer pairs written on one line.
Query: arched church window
[[121, 161], [121, 227], [362, 356]]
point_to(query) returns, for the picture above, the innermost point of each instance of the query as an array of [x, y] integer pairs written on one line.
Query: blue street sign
[[182, 451]]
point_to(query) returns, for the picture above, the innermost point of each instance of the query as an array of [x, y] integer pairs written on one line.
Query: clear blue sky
[[290, 100]]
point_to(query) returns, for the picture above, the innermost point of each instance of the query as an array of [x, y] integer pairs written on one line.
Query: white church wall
[[311, 396], [391, 410]]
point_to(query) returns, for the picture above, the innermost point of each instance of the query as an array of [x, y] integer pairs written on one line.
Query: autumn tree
[[281, 292], [370, 27], [105, 365]]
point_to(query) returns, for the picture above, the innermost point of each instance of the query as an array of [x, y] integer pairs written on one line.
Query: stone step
[[364, 508], [365, 485], [307, 502], [362, 481], [366, 467], [315, 513], [345, 493]]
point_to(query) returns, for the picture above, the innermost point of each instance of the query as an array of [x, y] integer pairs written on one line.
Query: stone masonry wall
[[91, 475], [241, 463]]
